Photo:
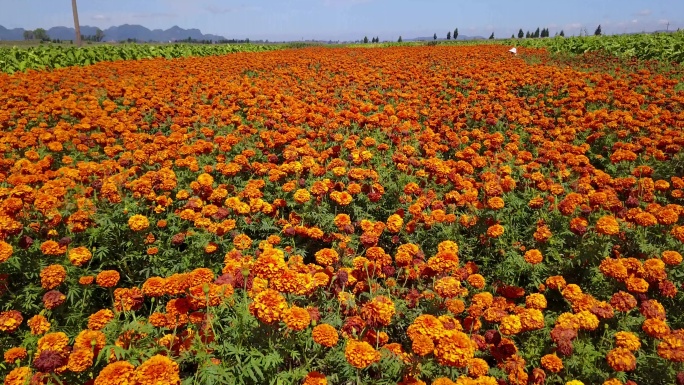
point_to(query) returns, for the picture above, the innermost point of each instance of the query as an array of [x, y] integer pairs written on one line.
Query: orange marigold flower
[[672, 258], [495, 203], [242, 242], [449, 287], [52, 276], [116, 373], [655, 328], [6, 251], [607, 225], [557, 282], [57, 342], [533, 256], [80, 360], [454, 349], [18, 376], [422, 345], [326, 335], [268, 306], [10, 321], [157, 370], [38, 325], [378, 311], [107, 278], [621, 360], [327, 257], [360, 354], [52, 248], [79, 256], [99, 319], [587, 320], [302, 196], [672, 347], [315, 378], [138, 222], [477, 367], [12, 355], [552, 363], [476, 280], [636, 285], [297, 318], [154, 287], [495, 231]]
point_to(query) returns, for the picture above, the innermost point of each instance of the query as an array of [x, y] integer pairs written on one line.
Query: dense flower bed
[[388, 216]]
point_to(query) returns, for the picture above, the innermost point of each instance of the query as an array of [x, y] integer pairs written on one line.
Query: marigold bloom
[[99, 319], [536, 301], [454, 349], [607, 225], [326, 335], [302, 196], [268, 306], [296, 318], [242, 242], [360, 354], [107, 278], [552, 363], [627, 340], [38, 325], [533, 256], [80, 360], [495, 231], [18, 376], [327, 257], [138, 222], [672, 258], [79, 256], [394, 223], [477, 367], [53, 341], [315, 378], [422, 345], [10, 321], [6, 251], [378, 311], [476, 280], [655, 327], [157, 370], [672, 347], [52, 276], [510, 325], [621, 360], [154, 287], [52, 248], [12, 355]]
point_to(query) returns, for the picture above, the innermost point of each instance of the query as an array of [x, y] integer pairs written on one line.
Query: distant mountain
[[460, 37], [122, 32]]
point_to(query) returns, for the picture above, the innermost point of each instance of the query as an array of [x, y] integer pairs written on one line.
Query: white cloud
[[101, 18], [643, 12]]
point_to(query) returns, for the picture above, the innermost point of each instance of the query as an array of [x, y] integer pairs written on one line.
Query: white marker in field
[[513, 50]]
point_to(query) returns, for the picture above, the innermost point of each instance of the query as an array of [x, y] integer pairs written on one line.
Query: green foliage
[[48, 57]]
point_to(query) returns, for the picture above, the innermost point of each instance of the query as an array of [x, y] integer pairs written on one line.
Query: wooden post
[[77, 26]]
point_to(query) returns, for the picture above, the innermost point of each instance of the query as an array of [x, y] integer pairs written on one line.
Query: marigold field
[[406, 215]]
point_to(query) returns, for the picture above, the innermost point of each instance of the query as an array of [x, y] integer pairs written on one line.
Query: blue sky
[[353, 19]]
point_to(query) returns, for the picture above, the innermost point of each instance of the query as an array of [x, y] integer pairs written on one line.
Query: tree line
[[42, 35]]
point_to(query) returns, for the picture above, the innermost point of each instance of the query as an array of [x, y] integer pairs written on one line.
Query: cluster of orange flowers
[[446, 204]]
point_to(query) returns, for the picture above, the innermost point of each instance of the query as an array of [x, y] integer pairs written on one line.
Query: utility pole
[[668, 27], [77, 26]]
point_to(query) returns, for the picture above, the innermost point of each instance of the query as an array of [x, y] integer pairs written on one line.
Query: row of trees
[[42, 35]]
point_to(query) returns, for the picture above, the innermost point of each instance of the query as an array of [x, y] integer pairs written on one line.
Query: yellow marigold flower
[[552, 363], [510, 325], [394, 223], [574, 382], [612, 381], [52, 276], [157, 370], [621, 360], [360, 354], [326, 335], [138, 222], [79, 256], [627, 340], [536, 301], [587, 320], [422, 345], [533, 256], [454, 349], [315, 378], [296, 318], [302, 196], [38, 325], [449, 287]]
